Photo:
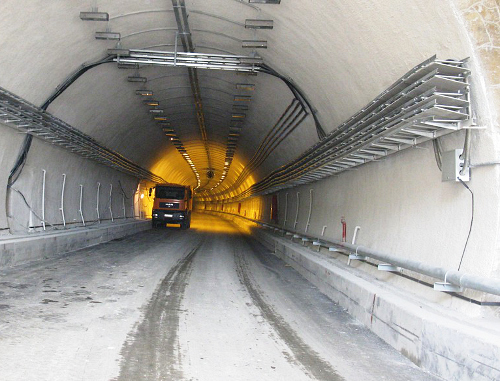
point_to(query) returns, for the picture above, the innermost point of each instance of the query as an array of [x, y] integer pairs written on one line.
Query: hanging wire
[[471, 220]]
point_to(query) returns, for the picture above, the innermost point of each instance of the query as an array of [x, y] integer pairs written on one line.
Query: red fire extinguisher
[[344, 229]]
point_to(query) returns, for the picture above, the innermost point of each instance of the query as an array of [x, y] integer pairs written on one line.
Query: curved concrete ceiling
[[341, 54]]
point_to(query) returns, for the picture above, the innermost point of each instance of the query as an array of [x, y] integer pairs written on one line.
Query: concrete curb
[[434, 339], [19, 250]]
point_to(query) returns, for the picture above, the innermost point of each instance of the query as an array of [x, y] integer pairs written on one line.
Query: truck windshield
[[170, 192]]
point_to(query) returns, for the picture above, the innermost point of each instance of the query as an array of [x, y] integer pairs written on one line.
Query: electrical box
[[452, 164]]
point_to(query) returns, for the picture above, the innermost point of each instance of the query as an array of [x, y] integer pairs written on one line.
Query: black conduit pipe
[[73, 77], [23, 154], [16, 170], [300, 97]]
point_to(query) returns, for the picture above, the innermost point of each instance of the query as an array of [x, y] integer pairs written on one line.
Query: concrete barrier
[[15, 250], [436, 339]]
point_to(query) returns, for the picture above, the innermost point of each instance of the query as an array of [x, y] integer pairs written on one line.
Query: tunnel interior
[[246, 100], [370, 123]]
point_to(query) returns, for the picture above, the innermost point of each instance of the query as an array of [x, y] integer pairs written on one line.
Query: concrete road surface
[[209, 303]]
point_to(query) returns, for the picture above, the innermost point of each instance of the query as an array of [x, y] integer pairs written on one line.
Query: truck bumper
[[169, 216]]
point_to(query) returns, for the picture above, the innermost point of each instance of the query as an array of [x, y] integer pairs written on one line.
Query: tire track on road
[[315, 366], [152, 350]]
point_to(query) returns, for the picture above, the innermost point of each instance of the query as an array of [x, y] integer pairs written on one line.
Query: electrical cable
[[123, 192], [471, 220], [73, 77], [438, 153], [31, 209], [300, 97], [20, 162]]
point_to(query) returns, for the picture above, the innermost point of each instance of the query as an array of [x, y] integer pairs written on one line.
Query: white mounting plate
[[357, 257], [447, 287], [389, 267]]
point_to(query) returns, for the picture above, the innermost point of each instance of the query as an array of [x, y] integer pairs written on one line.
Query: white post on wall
[[97, 202], [297, 213], [310, 209], [30, 222], [43, 198], [62, 199], [133, 205], [286, 209], [123, 204], [139, 202], [111, 201], [81, 202]]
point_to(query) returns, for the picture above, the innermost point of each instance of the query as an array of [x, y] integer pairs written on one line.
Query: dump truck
[[173, 204]]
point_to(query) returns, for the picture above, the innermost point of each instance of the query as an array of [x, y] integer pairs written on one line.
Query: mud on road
[[152, 351]]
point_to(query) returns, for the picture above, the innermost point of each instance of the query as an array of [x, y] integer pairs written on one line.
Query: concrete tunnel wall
[[343, 58]]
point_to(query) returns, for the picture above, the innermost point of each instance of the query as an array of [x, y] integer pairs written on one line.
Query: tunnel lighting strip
[[191, 60], [169, 131], [28, 118], [234, 129], [431, 100]]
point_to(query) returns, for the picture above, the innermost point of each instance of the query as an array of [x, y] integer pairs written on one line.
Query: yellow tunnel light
[[242, 98]]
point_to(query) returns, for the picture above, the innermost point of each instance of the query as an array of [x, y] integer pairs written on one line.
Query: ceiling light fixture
[[242, 98], [124, 65], [258, 24], [245, 86], [145, 93], [94, 16], [238, 115], [240, 107], [135, 78], [151, 102], [253, 44], [107, 35], [264, 1]]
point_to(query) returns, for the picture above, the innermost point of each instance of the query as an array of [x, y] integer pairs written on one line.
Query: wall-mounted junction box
[[452, 165]]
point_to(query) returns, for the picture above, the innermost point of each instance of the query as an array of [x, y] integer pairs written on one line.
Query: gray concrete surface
[[441, 340], [22, 248], [166, 304]]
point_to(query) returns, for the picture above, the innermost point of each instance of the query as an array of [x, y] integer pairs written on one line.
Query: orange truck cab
[[173, 204]]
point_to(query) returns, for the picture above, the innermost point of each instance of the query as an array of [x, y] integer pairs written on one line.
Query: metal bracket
[[447, 287], [357, 257], [388, 267]]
